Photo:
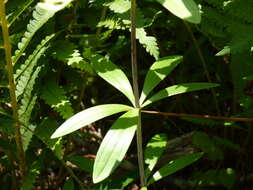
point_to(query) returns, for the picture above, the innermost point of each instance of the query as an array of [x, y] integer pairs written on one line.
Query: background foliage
[[55, 80]]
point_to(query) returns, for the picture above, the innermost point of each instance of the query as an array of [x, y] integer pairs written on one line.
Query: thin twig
[[12, 89], [244, 119]]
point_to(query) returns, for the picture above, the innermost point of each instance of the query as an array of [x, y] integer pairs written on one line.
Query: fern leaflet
[[121, 8], [66, 51], [54, 96], [42, 13]]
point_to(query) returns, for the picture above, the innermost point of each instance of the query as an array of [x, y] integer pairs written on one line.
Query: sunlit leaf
[[88, 116], [115, 145], [174, 166], [184, 9], [113, 75], [178, 89], [157, 72], [153, 151]]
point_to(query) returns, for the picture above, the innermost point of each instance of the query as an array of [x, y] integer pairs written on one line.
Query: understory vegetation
[[75, 113]]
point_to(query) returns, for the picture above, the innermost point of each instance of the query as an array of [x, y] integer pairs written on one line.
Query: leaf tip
[[97, 178], [55, 135]]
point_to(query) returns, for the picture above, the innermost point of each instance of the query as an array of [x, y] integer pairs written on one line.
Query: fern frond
[[27, 134], [24, 79], [148, 42], [121, 9], [42, 13], [25, 110], [21, 8], [63, 49], [28, 100], [119, 6], [28, 61], [54, 96], [76, 61], [112, 23], [44, 131], [31, 177], [66, 51]]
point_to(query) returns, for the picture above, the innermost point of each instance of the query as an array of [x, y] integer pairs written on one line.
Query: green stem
[[136, 91], [12, 89]]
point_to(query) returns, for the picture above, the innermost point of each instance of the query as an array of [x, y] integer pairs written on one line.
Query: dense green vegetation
[[75, 113]]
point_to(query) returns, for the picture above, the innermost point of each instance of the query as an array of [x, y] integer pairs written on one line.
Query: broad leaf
[[174, 166], [88, 116], [153, 151], [113, 75], [157, 72], [178, 89], [184, 9], [115, 145]]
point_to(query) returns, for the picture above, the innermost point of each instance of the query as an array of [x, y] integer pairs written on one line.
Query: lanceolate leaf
[[157, 72], [154, 150], [178, 89], [115, 145], [174, 166], [88, 116], [113, 75], [184, 9]]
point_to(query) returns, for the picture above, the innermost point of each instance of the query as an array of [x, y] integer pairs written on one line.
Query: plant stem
[[133, 53], [136, 92], [245, 119], [12, 88]]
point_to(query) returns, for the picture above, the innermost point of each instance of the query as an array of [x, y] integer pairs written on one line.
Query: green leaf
[[81, 162], [174, 166], [69, 185], [113, 75], [178, 89], [42, 13], [157, 72], [88, 116], [148, 42], [184, 9], [119, 6], [207, 145], [115, 145], [153, 151], [226, 50]]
